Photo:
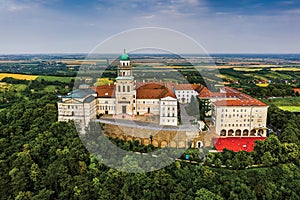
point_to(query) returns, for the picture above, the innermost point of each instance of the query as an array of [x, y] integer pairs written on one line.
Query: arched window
[[119, 88], [199, 144], [223, 132], [124, 88], [128, 88]]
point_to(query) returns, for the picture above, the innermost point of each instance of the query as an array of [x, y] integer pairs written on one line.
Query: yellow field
[[245, 69], [294, 69], [103, 81], [18, 76], [263, 84]]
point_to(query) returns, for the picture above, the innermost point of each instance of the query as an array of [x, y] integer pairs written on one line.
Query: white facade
[[148, 106], [168, 111], [80, 109], [240, 120], [184, 96]]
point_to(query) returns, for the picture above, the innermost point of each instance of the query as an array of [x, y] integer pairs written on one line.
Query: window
[[124, 88], [128, 88]]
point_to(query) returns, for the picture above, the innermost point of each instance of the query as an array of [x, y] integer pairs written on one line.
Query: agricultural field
[[291, 104], [246, 69], [55, 78], [104, 81], [290, 108], [285, 101], [17, 87], [18, 76], [294, 69], [262, 84]]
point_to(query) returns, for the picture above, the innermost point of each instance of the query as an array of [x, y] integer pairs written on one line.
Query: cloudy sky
[[77, 26]]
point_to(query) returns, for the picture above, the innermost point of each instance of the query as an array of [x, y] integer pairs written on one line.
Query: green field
[[285, 101], [17, 87], [56, 78], [290, 108]]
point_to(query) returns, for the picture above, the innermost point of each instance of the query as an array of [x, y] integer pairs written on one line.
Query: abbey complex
[[233, 113]]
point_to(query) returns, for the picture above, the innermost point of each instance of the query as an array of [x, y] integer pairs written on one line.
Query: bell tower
[[125, 87], [125, 67]]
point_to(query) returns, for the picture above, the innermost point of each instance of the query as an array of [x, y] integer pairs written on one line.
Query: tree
[[205, 194]]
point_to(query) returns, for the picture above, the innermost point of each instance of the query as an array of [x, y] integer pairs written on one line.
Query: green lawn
[[56, 78], [290, 108], [285, 101]]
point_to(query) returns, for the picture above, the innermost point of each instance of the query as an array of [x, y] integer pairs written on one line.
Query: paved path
[[186, 125]]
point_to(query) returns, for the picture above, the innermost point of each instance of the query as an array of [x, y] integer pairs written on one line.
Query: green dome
[[124, 56]]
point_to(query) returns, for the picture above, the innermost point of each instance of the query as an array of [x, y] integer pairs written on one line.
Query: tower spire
[[124, 51]]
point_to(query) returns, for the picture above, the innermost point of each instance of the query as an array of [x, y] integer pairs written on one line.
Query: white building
[[233, 113], [237, 114], [79, 106]]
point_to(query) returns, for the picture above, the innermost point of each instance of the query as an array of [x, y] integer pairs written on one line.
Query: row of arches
[[239, 132], [160, 143]]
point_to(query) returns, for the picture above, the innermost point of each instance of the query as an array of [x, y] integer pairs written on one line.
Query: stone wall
[[163, 138]]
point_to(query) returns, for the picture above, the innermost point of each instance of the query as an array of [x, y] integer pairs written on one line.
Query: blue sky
[[74, 26]]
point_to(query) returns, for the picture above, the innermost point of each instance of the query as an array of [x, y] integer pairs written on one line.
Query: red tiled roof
[[105, 91], [152, 90], [209, 94], [239, 102], [236, 143], [240, 99], [297, 90]]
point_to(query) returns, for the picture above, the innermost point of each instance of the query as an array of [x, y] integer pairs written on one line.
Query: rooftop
[[152, 90], [105, 91], [239, 102], [80, 93]]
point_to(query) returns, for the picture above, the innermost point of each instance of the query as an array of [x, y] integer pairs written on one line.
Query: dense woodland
[[41, 158]]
